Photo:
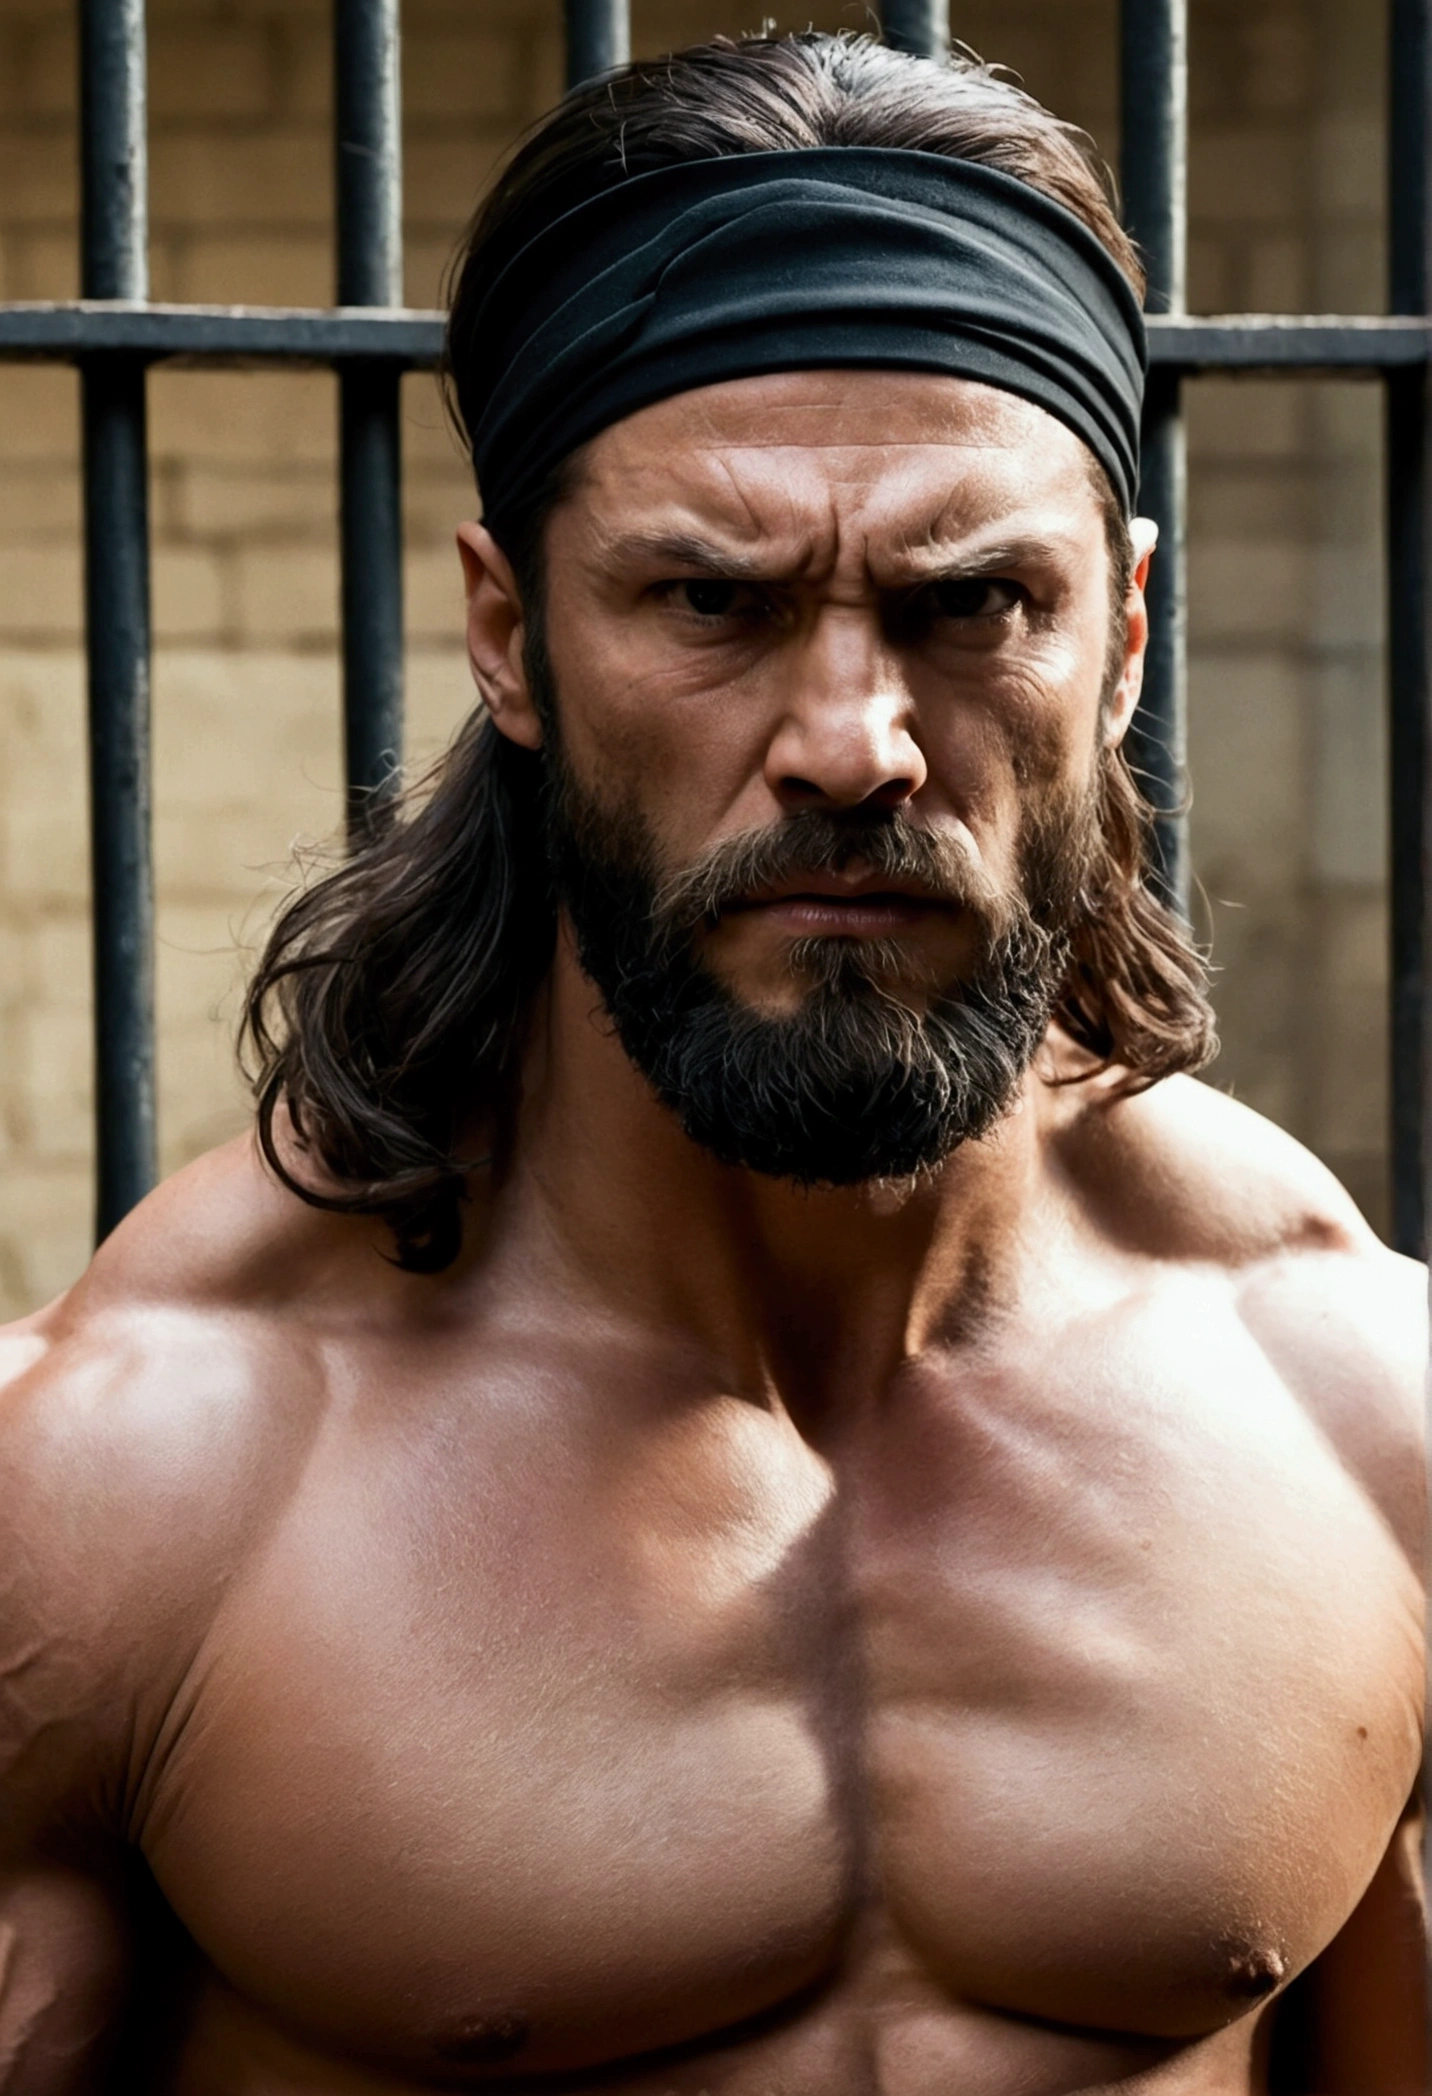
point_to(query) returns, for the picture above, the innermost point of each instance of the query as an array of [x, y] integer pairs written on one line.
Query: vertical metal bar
[[1154, 102], [368, 115], [1408, 545], [114, 264], [1408, 474], [598, 38], [1158, 736], [921, 27], [114, 179]]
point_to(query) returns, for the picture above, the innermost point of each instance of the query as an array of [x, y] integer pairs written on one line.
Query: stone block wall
[[1285, 565]]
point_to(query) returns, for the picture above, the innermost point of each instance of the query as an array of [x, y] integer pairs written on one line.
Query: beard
[[859, 1081]]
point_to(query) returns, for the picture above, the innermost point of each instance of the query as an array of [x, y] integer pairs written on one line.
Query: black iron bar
[[1351, 345], [1153, 50], [1408, 548], [223, 335], [371, 537], [114, 265], [1295, 343], [1409, 657], [368, 118], [1409, 649], [921, 27], [598, 38], [1157, 744]]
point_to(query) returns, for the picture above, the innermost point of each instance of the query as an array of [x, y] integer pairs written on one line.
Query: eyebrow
[[931, 563], [683, 549], [927, 564]]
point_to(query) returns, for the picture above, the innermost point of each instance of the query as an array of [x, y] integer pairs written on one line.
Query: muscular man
[[748, 1491]]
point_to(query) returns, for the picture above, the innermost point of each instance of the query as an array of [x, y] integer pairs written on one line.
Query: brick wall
[[1286, 611]]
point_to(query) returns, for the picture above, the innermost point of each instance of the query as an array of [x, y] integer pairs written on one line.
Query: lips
[[857, 910], [831, 888]]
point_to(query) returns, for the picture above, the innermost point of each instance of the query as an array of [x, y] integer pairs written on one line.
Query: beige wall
[[1286, 611]]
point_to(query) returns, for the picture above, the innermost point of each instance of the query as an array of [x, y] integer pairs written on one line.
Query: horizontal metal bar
[[1286, 341], [412, 338], [222, 334]]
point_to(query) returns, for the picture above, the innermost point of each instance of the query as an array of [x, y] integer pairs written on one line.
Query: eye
[[966, 597], [708, 597]]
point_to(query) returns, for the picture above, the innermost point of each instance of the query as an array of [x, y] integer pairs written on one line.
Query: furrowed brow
[[940, 563], [680, 549]]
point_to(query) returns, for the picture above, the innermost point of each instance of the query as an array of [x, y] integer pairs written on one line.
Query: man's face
[[828, 657]]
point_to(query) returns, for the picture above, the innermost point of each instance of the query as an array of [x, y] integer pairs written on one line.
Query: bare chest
[[1096, 1684]]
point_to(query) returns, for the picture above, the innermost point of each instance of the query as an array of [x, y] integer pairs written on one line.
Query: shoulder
[[167, 1330], [1185, 1175], [153, 1422], [1183, 1171]]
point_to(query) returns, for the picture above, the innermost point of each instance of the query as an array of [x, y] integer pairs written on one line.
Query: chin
[[860, 965]]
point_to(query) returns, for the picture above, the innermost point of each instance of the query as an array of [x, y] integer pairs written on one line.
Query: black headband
[[832, 256]]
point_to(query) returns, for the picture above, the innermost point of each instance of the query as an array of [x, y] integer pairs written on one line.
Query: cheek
[[688, 757], [1005, 725], [1002, 742]]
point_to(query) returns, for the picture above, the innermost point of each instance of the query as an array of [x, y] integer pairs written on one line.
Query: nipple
[[481, 2041], [1253, 1971]]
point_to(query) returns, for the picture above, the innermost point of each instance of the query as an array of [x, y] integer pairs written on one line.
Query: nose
[[847, 732]]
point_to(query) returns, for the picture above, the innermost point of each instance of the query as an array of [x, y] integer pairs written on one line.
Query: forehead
[[904, 451]]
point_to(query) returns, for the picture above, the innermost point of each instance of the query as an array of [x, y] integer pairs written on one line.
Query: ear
[[1125, 695], [495, 636]]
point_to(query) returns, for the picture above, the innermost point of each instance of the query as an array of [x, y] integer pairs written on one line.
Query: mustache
[[814, 841]]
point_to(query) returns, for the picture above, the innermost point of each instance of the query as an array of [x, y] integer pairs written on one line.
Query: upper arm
[[64, 1962], [63, 1937], [1355, 2023], [1347, 1332], [129, 1475], [152, 1427]]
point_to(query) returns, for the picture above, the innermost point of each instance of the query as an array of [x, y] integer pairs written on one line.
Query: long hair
[[387, 1011]]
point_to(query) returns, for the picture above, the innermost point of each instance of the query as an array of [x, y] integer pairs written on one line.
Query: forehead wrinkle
[[984, 522], [974, 554], [830, 519], [796, 529], [742, 497], [884, 446], [730, 507]]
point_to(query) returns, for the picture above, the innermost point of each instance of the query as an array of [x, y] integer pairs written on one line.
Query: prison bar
[[598, 37], [368, 147], [1338, 344], [921, 27], [1409, 485], [1153, 103], [1407, 474], [114, 265]]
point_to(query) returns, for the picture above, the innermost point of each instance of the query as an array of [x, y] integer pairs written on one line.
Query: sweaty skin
[[949, 1639]]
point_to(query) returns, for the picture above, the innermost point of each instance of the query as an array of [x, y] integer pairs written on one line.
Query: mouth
[[816, 905]]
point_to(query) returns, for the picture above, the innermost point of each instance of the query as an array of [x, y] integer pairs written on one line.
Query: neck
[[800, 1287]]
